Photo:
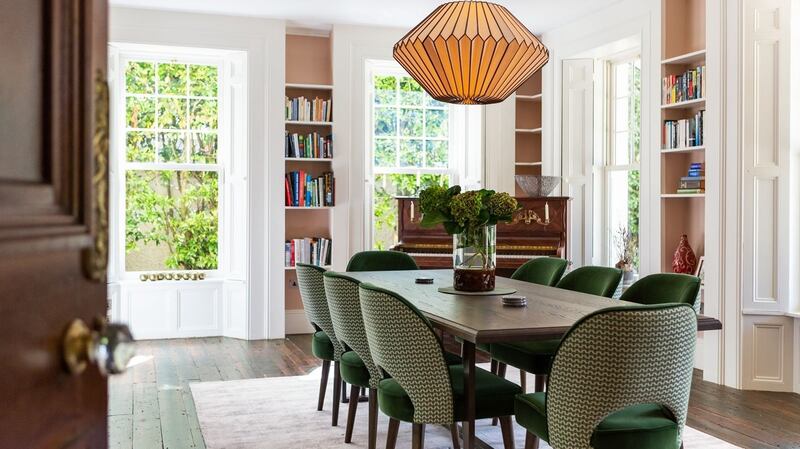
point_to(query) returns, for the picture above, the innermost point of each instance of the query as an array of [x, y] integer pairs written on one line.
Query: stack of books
[[683, 133], [312, 145], [301, 109], [304, 190], [310, 250], [695, 179], [688, 86]]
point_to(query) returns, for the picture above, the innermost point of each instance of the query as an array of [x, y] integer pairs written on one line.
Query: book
[[305, 190], [311, 145], [309, 250], [302, 109], [683, 133], [686, 86], [688, 191], [692, 184]]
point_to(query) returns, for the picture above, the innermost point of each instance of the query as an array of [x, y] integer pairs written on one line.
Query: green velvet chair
[[324, 344], [620, 380], [422, 388], [536, 356], [357, 367], [542, 271], [381, 261], [664, 288]]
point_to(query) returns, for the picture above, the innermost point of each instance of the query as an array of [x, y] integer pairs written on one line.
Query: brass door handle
[[110, 346]]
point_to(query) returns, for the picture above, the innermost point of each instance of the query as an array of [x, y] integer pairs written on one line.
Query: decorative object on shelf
[[685, 260], [172, 277], [470, 52], [471, 218], [530, 216], [627, 246], [536, 186], [695, 180]]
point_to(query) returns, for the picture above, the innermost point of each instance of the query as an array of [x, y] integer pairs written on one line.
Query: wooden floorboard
[[151, 405]]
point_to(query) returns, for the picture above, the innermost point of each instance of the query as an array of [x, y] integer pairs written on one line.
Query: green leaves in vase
[[461, 211]]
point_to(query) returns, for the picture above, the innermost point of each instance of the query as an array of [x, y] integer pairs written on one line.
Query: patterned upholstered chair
[[536, 356], [324, 344], [381, 261], [664, 288], [620, 379], [423, 388], [357, 367], [541, 270]]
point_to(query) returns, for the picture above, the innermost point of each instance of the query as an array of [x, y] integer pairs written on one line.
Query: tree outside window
[[172, 172]]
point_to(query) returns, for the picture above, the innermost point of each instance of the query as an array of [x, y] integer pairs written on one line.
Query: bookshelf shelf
[[530, 131], [537, 97], [688, 104], [298, 122], [308, 159], [687, 58], [682, 195], [309, 86], [528, 164], [683, 150], [308, 207], [292, 268]]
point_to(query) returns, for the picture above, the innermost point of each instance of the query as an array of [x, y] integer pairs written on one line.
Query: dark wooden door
[[52, 229]]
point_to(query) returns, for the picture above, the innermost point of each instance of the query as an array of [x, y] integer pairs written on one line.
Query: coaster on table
[[423, 280], [515, 301], [496, 292]]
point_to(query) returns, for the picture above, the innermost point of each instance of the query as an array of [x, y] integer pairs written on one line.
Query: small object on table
[[515, 301], [424, 280]]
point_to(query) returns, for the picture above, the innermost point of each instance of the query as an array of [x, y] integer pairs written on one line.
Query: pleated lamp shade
[[470, 52]]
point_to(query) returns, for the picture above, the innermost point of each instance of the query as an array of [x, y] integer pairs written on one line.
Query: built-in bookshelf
[[683, 106], [528, 129], [309, 150]]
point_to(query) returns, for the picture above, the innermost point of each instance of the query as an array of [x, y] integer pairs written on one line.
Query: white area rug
[[281, 412]]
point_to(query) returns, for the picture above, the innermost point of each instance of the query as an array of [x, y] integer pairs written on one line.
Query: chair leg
[[337, 394], [531, 441], [493, 368], [418, 436], [391, 434], [501, 371], [345, 399], [323, 383], [351, 413], [372, 434], [541, 382], [523, 381], [508, 432], [454, 435]]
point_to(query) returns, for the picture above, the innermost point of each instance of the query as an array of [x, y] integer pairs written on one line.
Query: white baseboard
[[297, 323]]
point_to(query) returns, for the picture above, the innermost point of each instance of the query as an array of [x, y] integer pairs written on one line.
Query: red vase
[[685, 260]]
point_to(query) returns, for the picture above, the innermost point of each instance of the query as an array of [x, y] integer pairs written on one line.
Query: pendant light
[[470, 52]]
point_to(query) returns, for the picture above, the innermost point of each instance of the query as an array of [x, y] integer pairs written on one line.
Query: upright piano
[[539, 229]]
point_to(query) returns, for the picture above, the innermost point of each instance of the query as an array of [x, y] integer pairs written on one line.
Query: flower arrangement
[[627, 243]]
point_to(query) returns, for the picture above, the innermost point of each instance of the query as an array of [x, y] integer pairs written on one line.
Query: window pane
[[204, 148], [385, 89], [621, 114], [411, 122], [428, 180], [172, 113], [436, 153], [411, 92], [621, 148], [623, 213], [203, 114], [140, 77], [171, 145], [172, 79], [384, 206], [622, 73], [411, 153], [635, 123], [385, 152], [140, 112], [436, 123], [171, 220], [140, 146], [385, 121], [203, 80]]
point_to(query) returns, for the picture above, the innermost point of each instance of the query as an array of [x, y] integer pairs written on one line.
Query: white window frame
[[120, 55], [605, 160], [465, 128]]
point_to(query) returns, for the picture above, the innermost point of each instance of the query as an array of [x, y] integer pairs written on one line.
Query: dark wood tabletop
[[484, 319]]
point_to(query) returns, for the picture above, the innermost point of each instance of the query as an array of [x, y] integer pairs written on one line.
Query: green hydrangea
[[501, 205], [433, 199], [466, 208]]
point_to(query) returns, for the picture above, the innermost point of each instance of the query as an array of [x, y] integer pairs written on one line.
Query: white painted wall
[[249, 302]]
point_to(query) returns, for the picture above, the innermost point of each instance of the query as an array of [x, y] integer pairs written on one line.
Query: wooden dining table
[[550, 312]]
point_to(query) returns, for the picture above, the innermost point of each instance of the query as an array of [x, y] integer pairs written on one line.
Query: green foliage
[[140, 77], [635, 130], [203, 81], [384, 203], [465, 211], [172, 79]]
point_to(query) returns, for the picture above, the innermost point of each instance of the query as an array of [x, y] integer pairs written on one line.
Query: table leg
[[468, 359]]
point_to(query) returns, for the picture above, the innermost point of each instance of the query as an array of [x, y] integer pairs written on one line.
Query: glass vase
[[474, 259]]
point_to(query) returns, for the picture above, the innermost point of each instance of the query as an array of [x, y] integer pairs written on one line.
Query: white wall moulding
[[297, 323], [768, 353]]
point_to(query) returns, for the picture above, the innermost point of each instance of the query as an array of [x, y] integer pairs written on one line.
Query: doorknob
[[110, 346]]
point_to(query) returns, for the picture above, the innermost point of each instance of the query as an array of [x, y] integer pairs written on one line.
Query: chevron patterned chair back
[[617, 358], [403, 344], [348, 322], [315, 304]]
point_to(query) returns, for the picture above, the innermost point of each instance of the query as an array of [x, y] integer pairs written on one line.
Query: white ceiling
[[538, 15]]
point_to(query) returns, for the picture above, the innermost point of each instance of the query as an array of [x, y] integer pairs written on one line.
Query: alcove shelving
[[683, 62], [309, 74], [528, 129]]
